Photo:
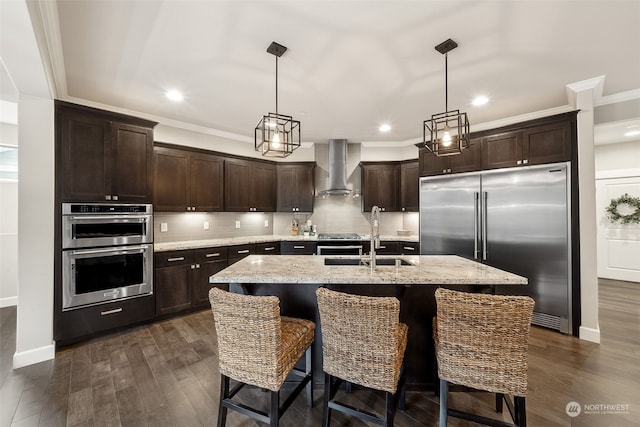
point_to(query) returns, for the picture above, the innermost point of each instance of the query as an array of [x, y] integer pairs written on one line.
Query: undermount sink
[[357, 261]]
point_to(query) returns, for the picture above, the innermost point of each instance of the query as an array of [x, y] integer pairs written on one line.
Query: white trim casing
[[33, 356]]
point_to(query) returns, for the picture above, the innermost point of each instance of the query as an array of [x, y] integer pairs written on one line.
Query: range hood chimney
[[337, 167]]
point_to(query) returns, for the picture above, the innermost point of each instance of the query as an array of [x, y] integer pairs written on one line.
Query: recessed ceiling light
[[632, 133], [384, 128], [174, 95], [480, 100]]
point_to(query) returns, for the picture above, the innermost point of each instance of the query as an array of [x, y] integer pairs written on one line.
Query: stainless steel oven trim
[[70, 242], [339, 247], [71, 301]]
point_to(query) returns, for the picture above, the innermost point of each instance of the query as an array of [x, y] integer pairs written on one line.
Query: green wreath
[[632, 218]]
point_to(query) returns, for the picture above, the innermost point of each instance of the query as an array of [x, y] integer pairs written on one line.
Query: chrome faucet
[[375, 235]]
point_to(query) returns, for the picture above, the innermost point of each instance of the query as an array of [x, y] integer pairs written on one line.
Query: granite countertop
[[230, 241], [424, 269]]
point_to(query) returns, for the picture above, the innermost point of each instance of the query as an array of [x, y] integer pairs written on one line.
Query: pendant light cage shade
[[447, 133], [277, 135]]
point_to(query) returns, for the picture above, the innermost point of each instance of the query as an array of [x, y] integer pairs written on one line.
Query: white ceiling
[[351, 65]]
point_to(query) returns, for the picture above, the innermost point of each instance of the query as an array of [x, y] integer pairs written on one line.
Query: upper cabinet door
[[380, 186], [547, 144], [263, 185], [171, 181], [469, 160], [206, 182], [409, 187], [502, 151], [132, 165], [101, 158], [295, 192], [430, 164], [237, 176], [84, 143]]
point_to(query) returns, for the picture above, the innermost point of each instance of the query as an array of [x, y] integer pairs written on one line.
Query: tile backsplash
[[191, 225], [333, 214]]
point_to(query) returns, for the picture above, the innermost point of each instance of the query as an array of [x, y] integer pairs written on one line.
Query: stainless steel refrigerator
[[518, 220]]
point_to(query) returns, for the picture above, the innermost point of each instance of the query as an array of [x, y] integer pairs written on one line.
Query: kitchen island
[[295, 278]]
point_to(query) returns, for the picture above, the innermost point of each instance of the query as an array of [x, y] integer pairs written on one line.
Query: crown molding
[[616, 98], [46, 27]]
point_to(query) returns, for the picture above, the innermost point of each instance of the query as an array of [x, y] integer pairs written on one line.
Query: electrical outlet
[[237, 224], [266, 223], [206, 225], [164, 227]]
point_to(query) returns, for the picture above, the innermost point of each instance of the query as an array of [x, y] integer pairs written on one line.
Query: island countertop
[[311, 269]]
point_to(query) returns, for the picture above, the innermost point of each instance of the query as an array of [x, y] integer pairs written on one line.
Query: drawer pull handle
[[212, 255], [382, 247], [298, 247], [107, 312], [180, 258], [408, 248], [271, 248], [246, 251]]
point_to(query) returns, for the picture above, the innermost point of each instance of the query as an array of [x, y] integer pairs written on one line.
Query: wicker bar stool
[[257, 346], [362, 343], [481, 343]]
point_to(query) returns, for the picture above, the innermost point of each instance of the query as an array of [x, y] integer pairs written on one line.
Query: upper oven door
[[87, 230]]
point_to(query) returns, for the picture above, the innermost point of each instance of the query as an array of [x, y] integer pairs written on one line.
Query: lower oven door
[[92, 276]]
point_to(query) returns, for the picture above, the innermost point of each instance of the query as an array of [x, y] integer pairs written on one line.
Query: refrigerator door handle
[[476, 236], [484, 226]]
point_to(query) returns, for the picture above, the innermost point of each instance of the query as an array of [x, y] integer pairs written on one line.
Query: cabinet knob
[[403, 209], [444, 171], [448, 170], [519, 162], [188, 208], [115, 197], [107, 197], [525, 161]]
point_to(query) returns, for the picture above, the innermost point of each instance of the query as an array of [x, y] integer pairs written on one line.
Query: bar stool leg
[[274, 414], [224, 391], [309, 371], [499, 401], [328, 394], [444, 391]]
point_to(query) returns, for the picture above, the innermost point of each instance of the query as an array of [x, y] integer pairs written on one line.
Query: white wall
[[624, 155], [8, 223], [8, 243], [34, 333]]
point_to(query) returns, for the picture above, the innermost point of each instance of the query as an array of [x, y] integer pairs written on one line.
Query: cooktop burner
[[338, 236]]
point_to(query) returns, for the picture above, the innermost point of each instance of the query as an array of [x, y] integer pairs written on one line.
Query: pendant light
[[277, 135], [447, 133]]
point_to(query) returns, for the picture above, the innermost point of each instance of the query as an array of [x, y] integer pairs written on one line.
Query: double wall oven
[[107, 253]]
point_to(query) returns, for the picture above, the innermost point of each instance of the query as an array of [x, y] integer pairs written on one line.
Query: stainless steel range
[[339, 244], [107, 253]]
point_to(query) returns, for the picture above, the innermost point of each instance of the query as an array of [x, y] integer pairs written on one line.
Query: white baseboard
[[8, 301], [31, 357], [589, 334]]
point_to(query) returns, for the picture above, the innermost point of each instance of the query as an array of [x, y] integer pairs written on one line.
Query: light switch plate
[[237, 224], [164, 227], [206, 225], [266, 223]]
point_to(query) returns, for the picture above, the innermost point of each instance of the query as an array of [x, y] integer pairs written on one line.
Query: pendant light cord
[[276, 85], [446, 85]]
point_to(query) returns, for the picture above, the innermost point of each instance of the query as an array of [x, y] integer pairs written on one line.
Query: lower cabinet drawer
[[86, 321]]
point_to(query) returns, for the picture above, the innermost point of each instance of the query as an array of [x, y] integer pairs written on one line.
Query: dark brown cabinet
[[270, 248], [380, 186], [296, 189], [187, 181], [208, 262], [409, 186], [103, 156], [73, 325], [182, 278], [469, 160], [172, 282], [249, 186], [237, 252], [295, 247], [409, 248], [534, 145]]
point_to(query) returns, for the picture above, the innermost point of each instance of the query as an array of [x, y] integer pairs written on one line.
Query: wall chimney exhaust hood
[[337, 168]]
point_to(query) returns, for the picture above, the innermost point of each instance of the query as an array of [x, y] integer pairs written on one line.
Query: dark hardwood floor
[[165, 374]]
